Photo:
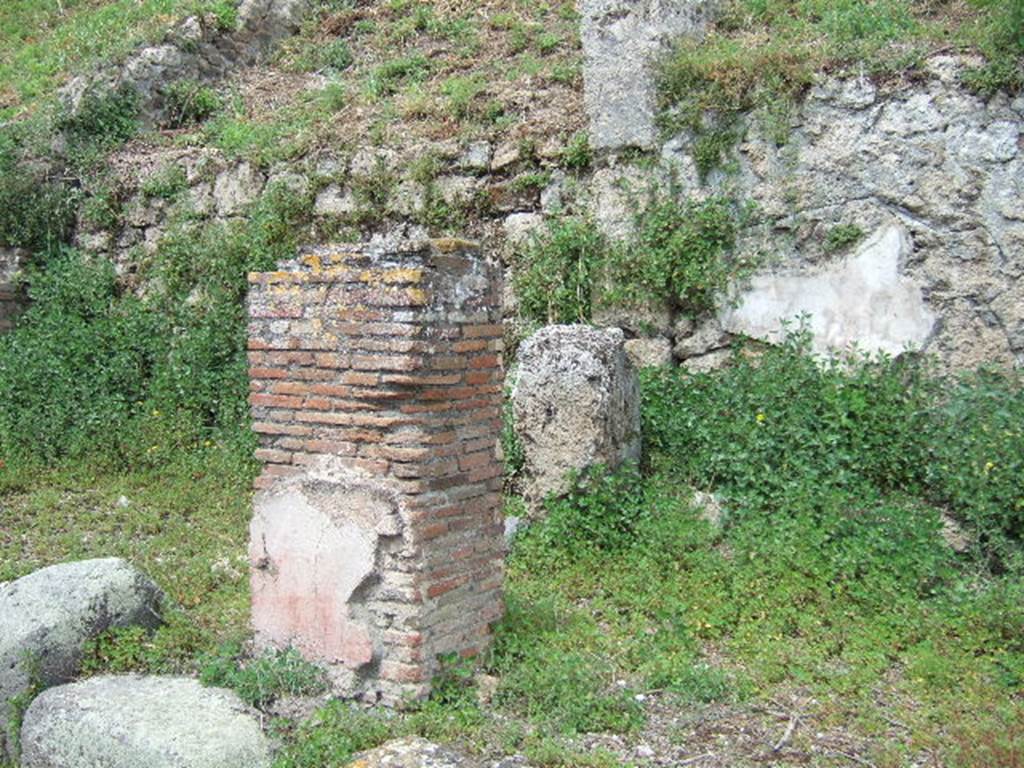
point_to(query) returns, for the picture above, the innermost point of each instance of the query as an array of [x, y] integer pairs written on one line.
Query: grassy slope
[[43, 42], [401, 72]]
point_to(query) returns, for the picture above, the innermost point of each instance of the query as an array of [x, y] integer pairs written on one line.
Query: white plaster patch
[[862, 301], [306, 568]]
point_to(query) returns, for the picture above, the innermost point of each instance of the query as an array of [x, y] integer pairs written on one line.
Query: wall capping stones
[[377, 538]]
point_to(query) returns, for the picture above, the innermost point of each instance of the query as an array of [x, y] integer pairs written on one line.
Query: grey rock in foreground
[[131, 722], [411, 752], [47, 616], [576, 404]]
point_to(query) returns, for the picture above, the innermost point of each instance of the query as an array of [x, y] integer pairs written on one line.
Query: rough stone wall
[[937, 164], [385, 359], [931, 174], [11, 299]]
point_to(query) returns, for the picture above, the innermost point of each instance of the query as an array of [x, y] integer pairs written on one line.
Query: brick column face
[[388, 361]]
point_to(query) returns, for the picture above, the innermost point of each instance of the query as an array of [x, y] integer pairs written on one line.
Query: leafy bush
[[188, 102], [35, 214], [165, 183], [93, 371], [678, 253], [103, 119], [604, 511], [77, 366], [555, 275], [37, 211], [789, 432]]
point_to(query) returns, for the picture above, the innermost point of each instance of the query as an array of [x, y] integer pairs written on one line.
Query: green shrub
[[165, 183], [577, 154], [790, 432], [35, 214], [37, 208], [842, 236], [188, 102], [678, 254], [93, 371], [555, 275], [172, 647], [604, 511], [103, 119], [73, 372]]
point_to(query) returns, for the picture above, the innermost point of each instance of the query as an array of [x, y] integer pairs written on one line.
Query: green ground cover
[[827, 574]]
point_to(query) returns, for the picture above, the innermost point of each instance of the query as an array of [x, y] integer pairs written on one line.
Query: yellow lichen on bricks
[[391, 276], [452, 244]]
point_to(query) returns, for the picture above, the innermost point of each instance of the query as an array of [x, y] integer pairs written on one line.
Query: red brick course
[[391, 360]]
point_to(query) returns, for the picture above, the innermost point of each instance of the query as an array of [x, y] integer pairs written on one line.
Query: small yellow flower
[[156, 413], [207, 443], [760, 418], [989, 466]]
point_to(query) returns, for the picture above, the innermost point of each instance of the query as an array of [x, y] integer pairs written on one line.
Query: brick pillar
[[377, 536]]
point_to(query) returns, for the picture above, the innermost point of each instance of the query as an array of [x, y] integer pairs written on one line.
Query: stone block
[[130, 721], [47, 617], [576, 404]]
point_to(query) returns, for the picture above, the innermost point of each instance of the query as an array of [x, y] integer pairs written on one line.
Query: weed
[[261, 680], [554, 275], [679, 253], [188, 103], [166, 183], [334, 735], [18, 704], [763, 55], [387, 78], [103, 119], [334, 56], [462, 93], [89, 365], [842, 236], [566, 73], [334, 97], [511, 447], [37, 214], [577, 154], [225, 13]]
